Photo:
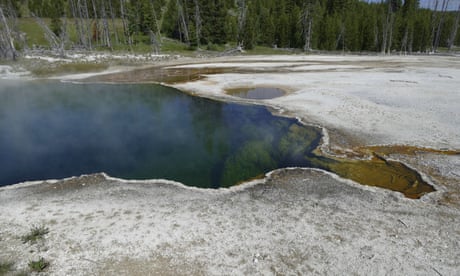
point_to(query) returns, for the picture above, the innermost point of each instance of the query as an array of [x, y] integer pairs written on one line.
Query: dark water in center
[[56, 130], [51, 130]]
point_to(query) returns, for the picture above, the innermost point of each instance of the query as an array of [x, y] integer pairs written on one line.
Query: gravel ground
[[299, 221]]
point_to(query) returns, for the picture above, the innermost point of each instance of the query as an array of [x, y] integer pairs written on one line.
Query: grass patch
[[34, 33], [5, 267], [263, 50], [38, 265], [174, 46], [36, 233], [35, 36]]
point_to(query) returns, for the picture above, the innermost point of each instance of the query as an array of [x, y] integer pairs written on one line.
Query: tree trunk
[[7, 48], [386, 28], [154, 43], [307, 23], [112, 16], [63, 36], [434, 19], [78, 27], [157, 22], [390, 35], [95, 37], [376, 35], [85, 15], [242, 12], [183, 22], [197, 23], [50, 36], [126, 33], [453, 33], [445, 3], [105, 27]]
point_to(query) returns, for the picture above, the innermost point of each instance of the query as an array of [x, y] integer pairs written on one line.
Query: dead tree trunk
[[242, 13], [154, 43], [386, 28], [114, 27], [408, 37], [63, 35], [155, 20], [80, 12], [445, 4], [404, 42], [80, 26], [54, 41], [7, 49], [105, 27], [453, 33], [434, 19], [95, 26], [197, 23], [341, 37], [307, 23], [183, 22], [126, 33], [84, 12], [390, 35]]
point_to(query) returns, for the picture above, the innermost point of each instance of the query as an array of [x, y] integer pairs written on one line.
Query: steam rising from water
[[55, 130]]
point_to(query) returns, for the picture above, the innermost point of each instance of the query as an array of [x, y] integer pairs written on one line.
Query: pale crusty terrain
[[296, 221], [410, 100]]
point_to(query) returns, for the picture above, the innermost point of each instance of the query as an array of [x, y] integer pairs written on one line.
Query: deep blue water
[[54, 130]]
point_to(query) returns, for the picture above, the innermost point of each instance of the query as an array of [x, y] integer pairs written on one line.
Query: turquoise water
[[54, 130]]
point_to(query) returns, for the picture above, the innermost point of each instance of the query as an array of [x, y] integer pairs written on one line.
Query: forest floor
[[295, 221]]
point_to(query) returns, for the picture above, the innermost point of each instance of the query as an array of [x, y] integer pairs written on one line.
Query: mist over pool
[[54, 130]]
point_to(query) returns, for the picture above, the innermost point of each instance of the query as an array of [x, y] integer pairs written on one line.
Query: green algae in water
[[56, 130], [380, 173]]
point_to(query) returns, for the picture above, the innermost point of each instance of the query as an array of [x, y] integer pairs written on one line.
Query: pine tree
[[170, 26], [56, 11], [231, 26], [422, 31], [267, 24], [248, 35], [347, 25]]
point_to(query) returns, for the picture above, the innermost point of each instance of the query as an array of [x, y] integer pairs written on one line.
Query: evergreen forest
[[384, 26]]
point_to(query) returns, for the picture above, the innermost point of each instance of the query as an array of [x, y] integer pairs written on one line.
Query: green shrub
[[36, 233], [39, 265], [5, 267]]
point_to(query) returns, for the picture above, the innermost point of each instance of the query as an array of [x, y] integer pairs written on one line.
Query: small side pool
[[258, 93]]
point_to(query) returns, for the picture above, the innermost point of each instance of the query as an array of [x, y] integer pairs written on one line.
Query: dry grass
[[36, 233]]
